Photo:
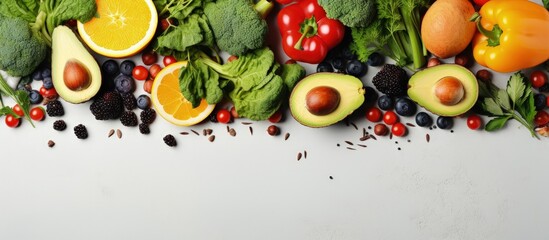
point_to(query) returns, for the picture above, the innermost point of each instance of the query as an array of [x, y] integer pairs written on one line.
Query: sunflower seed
[[111, 132], [211, 138], [51, 143], [118, 133]]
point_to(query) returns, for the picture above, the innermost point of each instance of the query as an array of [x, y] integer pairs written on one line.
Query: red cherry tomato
[[276, 117], [223, 116], [541, 119], [233, 112], [50, 93], [474, 122], [480, 2], [17, 109], [538, 78], [232, 58], [140, 73], [12, 121], [37, 113], [42, 90], [154, 70], [149, 57], [373, 114], [390, 118], [165, 23], [398, 129], [169, 60]]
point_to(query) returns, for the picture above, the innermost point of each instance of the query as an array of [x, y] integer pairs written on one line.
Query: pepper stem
[[299, 44], [493, 36]]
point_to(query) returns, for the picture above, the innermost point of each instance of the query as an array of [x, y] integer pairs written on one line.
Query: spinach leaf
[[25, 9]]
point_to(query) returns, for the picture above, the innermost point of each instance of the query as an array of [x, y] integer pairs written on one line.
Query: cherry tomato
[[373, 114], [480, 2], [37, 113], [169, 60], [398, 129], [17, 109], [538, 78], [12, 121], [474, 122], [50, 93], [234, 114], [154, 70], [223, 116], [390, 118], [140, 73], [541, 119], [42, 90], [232, 58], [149, 57], [276, 117], [165, 23], [147, 86]]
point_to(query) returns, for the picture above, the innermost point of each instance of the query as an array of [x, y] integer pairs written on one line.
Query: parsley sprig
[[516, 101], [19, 96]]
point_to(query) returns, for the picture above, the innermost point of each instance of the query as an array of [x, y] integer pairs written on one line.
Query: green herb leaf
[[7, 110], [489, 105], [496, 123], [546, 4], [503, 99], [516, 88]]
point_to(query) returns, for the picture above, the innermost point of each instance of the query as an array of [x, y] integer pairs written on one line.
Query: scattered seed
[[211, 138], [286, 136], [51, 143], [232, 132], [118, 133], [305, 154], [195, 132], [354, 125], [349, 142], [410, 125], [251, 130], [427, 137], [365, 137], [391, 136], [347, 122], [373, 137], [364, 132], [350, 148], [399, 149], [111, 132], [299, 155], [331, 178], [184, 133], [361, 145], [207, 132], [247, 123], [228, 128], [338, 145], [409, 140]]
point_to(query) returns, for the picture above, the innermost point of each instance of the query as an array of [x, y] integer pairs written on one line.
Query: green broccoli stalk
[[352, 13], [238, 25]]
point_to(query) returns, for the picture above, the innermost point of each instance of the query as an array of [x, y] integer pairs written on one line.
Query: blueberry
[[126, 67], [124, 84], [110, 68], [37, 74], [143, 102], [371, 95], [540, 101], [338, 63], [376, 59], [356, 68], [46, 72], [423, 119], [347, 54], [35, 97], [385, 102], [445, 122], [48, 83], [324, 67], [405, 107]]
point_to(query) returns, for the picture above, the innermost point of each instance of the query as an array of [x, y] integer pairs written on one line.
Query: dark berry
[[339, 64], [80, 131], [376, 59], [128, 119], [59, 125], [124, 84], [405, 107], [445, 122], [170, 140], [144, 128], [35, 97], [148, 116], [348, 54], [48, 83], [544, 88], [540, 101], [324, 67], [126, 67], [110, 69], [129, 101], [356, 68], [423, 119], [385, 102], [46, 72], [143, 102], [37, 74], [55, 109]]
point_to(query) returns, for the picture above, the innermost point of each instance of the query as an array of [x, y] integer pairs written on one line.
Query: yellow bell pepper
[[513, 35]]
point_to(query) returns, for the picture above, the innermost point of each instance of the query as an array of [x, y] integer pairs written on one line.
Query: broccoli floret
[[238, 25], [352, 13], [21, 51]]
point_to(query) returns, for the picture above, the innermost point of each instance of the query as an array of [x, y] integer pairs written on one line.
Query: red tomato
[[276, 117], [373, 114], [154, 70], [223, 116], [42, 90], [12, 121], [541, 119], [168, 60], [165, 23], [140, 73], [17, 109], [37, 113], [398, 129], [149, 57], [49, 93], [233, 112], [480, 2], [538, 78], [474, 122], [390, 118]]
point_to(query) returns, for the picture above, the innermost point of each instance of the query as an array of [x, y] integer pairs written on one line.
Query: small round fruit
[[445, 122], [154, 70], [399, 129], [474, 122], [124, 84], [147, 86], [385, 102], [35, 97], [232, 58], [18, 110], [273, 130], [12, 121], [50, 93], [423, 119], [381, 129], [126, 67], [143, 102], [375, 59], [223, 116], [538, 78], [110, 68], [322, 100], [433, 62], [390, 118], [374, 114], [149, 57], [46, 72], [356, 68], [140, 73], [541, 119], [168, 60], [165, 23], [405, 107], [540, 101], [324, 67], [276, 117], [37, 113], [484, 75], [47, 82], [463, 59], [338, 64], [234, 114], [449, 90]]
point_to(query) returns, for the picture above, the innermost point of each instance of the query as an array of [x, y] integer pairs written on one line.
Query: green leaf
[[546, 4], [503, 99], [489, 105], [7, 110], [496, 123], [516, 88]]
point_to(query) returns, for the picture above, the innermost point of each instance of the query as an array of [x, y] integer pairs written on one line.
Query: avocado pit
[[75, 75], [322, 100], [449, 90]]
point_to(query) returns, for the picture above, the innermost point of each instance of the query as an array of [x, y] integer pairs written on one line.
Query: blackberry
[[391, 80], [147, 116], [129, 100], [144, 128], [55, 109], [107, 106], [80, 131], [170, 140], [544, 88], [59, 125], [128, 119]]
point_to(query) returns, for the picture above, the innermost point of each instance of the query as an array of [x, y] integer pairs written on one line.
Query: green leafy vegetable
[[20, 97], [546, 3], [514, 102], [352, 13]]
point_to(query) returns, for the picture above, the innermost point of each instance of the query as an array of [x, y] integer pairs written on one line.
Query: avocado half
[[336, 96], [445, 90], [76, 74]]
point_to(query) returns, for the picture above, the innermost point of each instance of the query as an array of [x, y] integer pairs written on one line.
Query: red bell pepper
[[307, 34]]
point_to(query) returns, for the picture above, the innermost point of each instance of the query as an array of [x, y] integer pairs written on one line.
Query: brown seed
[[184, 133], [373, 137], [111, 132], [354, 125], [361, 145], [364, 138], [232, 132], [433, 62], [286, 136], [211, 138], [428, 137], [247, 123], [305, 154], [251, 130], [349, 142], [273, 130], [195, 132], [381, 129], [119, 133], [299, 155], [228, 128], [350, 148], [207, 132], [51, 143], [410, 125], [484, 75]]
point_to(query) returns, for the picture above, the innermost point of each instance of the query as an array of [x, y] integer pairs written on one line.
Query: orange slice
[[169, 101], [120, 28]]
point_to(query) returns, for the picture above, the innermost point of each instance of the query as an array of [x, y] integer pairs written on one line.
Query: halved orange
[[170, 103], [120, 28]]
